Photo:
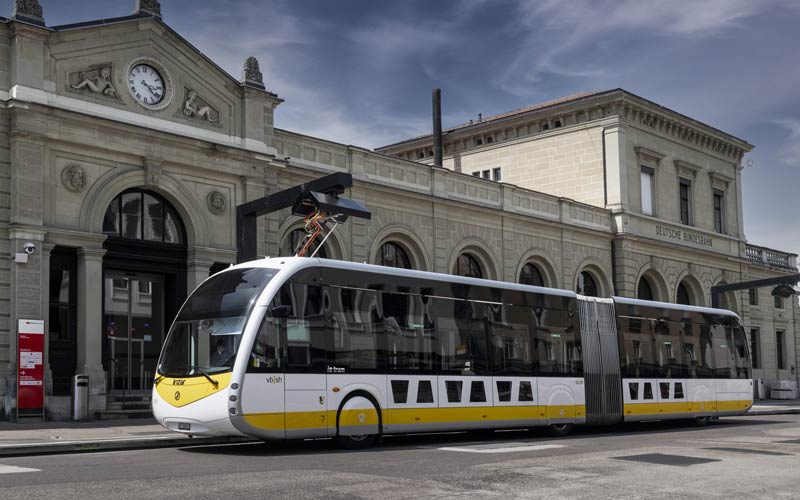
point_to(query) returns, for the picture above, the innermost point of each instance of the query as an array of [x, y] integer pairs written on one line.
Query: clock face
[[146, 84]]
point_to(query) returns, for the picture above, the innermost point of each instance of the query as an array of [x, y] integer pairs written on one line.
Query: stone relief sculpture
[[148, 7], [197, 108], [152, 171], [97, 81], [74, 178], [216, 202]]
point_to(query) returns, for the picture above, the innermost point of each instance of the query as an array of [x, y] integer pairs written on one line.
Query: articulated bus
[[303, 348]]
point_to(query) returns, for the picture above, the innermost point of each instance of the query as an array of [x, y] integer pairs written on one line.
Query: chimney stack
[[437, 127]]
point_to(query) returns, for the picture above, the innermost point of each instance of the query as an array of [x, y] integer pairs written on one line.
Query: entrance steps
[[128, 406]]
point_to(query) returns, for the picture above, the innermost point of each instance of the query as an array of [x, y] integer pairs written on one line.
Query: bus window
[[742, 356], [556, 345], [636, 348], [409, 336], [265, 357], [461, 336], [723, 352], [305, 328], [705, 365], [511, 329], [669, 352], [354, 319]]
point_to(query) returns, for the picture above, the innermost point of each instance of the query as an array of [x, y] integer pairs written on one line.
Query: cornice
[[628, 107]]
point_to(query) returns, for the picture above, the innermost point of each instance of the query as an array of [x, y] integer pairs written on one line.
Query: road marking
[[508, 449], [13, 469]]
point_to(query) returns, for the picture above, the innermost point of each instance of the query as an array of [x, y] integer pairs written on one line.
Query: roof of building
[[551, 103]]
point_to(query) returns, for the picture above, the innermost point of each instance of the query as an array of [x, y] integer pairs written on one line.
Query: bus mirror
[[281, 311]]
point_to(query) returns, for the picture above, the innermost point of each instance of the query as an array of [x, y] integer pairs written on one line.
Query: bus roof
[[294, 264], [669, 305]]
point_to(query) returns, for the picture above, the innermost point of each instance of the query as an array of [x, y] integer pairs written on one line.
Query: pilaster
[[90, 317]]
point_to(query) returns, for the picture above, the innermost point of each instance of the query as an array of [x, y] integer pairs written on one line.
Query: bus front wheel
[[356, 442]]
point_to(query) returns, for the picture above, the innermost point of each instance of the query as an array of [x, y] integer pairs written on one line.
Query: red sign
[[30, 375]]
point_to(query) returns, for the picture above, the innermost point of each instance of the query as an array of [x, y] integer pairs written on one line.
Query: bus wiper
[[206, 375]]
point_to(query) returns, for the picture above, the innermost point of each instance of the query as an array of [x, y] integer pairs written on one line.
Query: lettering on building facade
[[678, 235]]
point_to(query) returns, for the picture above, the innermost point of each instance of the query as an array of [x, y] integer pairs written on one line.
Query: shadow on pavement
[[538, 435]]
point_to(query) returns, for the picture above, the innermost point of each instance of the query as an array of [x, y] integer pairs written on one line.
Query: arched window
[[531, 275], [682, 296], [467, 265], [292, 242], [142, 215], [644, 290], [587, 285], [393, 255]]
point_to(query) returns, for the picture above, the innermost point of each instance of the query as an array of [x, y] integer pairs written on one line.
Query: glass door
[[134, 329]]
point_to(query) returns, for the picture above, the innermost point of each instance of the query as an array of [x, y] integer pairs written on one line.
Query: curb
[[22, 450], [782, 411]]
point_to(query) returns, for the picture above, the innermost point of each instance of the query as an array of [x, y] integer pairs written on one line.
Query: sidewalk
[[64, 437]]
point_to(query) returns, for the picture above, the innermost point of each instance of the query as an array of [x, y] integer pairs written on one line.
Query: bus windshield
[[208, 330]]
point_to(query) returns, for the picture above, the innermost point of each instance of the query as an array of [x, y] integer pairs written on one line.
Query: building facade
[[124, 152]]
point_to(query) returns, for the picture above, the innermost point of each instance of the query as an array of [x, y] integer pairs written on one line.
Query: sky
[[361, 71]]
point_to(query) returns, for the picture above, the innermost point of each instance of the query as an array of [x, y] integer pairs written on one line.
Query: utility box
[[80, 397], [760, 389]]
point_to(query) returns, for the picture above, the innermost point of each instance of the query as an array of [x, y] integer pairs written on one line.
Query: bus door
[[263, 388], [671, 365], [305, 385]]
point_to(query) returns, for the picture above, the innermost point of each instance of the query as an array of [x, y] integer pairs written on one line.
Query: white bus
[[288, 348]]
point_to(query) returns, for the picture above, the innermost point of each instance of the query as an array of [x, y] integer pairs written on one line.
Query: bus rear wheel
[[560, 430], [702, 421]]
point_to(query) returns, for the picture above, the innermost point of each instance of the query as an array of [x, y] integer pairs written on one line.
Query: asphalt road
[[743, 457]]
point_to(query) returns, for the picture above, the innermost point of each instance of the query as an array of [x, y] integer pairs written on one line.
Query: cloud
[[576, 39], [789, 152]]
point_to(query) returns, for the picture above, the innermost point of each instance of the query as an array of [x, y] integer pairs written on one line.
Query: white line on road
[[509, 449], [13, 469]]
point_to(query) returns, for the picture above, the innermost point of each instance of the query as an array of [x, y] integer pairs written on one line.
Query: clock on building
[[149, 83]]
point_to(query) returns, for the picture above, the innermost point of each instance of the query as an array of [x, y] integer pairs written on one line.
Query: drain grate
[[749, 450], [663, 459]]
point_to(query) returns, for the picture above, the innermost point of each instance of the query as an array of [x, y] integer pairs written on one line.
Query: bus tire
[[357, 441], [702, 421], [560, 430]]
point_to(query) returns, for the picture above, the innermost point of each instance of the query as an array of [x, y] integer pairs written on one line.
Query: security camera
[[29, 248]]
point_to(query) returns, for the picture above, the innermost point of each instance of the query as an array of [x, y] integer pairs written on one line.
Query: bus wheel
[[702, 421], [356, 442], [560, 430]]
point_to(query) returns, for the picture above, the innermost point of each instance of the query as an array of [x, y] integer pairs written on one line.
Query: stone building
[[124, 152]]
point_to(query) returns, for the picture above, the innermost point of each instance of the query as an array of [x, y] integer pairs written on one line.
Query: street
[[743, 457]]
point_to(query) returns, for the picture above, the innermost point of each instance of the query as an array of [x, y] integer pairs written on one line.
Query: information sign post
[[30, 371]]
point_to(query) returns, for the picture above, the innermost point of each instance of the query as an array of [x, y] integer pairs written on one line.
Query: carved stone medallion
[[216, 202], [74, 178]]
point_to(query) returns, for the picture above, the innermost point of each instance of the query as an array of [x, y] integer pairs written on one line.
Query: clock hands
[[151, 88]]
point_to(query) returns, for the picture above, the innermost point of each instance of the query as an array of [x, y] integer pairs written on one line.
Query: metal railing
[[774, 259]]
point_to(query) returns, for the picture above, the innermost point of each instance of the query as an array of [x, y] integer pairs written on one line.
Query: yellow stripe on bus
[[396, 416], [411, 416], [686, 407]]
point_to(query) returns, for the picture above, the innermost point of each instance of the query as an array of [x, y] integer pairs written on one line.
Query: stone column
[[45, 298], [198, 266], [90, 324]]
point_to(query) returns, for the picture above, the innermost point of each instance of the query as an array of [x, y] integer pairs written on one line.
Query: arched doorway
[[144, 284], [587, 285]]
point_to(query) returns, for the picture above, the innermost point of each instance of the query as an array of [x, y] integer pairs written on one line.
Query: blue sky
[[361, 71]]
